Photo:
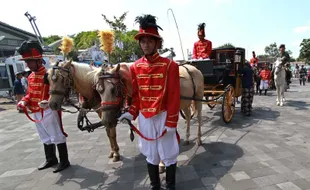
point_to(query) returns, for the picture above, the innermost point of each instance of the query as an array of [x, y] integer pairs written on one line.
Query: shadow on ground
[[211, 164], [240, 121], [298, 105]]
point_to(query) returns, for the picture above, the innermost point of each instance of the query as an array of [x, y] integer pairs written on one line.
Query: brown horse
[[114, 85], [67, 76]]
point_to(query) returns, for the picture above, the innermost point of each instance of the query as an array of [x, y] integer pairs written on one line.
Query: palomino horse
[[114, 85], [280, 82], [76, 76]]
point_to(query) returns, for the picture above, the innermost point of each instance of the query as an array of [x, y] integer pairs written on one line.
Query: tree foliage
[[84, 40], [50, 39], [126, 48], [272, 51], [227, 45], [304, 53]]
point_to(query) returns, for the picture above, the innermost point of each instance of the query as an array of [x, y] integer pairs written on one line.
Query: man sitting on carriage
[[203, 47]]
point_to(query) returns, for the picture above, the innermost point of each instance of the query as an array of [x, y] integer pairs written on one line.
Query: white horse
[[279, 80]]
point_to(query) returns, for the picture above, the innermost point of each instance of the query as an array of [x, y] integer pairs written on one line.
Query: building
[[13, 37]]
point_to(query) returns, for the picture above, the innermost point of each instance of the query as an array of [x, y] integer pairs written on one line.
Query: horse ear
[[118, 68]]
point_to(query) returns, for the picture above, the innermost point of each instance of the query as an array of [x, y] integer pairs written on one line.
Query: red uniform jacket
[[265, 75], [202, 49], [37, 90], [156, 88], [252, 61]]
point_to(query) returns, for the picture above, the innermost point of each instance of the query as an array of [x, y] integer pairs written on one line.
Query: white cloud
[[301, 29]]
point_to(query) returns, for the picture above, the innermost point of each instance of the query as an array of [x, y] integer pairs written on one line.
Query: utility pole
[[34, 26]]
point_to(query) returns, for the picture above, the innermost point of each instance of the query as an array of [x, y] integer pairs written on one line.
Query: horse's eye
[[113, 90]]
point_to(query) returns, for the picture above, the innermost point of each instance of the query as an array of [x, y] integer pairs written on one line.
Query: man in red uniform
[[48, 122], [254, 59], [265, 76], [203, 47], [156, 102]]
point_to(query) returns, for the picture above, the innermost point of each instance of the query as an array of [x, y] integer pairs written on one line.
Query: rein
[[120, 94], [119, 104]]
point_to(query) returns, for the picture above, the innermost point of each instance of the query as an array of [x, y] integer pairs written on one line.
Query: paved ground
[[269, 151]]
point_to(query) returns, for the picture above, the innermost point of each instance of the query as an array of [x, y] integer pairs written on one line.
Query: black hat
[[30, 50], [282, 46]]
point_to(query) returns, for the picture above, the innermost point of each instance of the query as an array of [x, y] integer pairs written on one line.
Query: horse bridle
[[279, 67], [68, 80], [119, 91]]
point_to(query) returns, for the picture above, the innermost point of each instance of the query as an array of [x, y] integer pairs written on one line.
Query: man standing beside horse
[[265, 76], [156, 102], [48, 122]]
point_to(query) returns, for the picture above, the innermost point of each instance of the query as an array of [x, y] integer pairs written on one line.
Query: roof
[[17, 29], [231, 48]]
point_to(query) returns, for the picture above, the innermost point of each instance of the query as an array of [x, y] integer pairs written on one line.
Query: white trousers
[[264, 84], [165, 148], [49, 128]]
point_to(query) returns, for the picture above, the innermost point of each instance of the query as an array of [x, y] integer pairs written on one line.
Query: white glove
[[43, 104], [126, 115], [21, 105], [170, 129]]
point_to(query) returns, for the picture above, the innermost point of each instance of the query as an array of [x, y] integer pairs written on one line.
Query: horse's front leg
[[281, 95], [114, 153], [278, 95]]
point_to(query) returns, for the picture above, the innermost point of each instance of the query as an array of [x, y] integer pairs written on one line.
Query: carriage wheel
[[192, 112], [211, 104], [228, 105]]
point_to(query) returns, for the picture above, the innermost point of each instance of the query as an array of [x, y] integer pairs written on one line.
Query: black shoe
[[50, 156], [63, 157], [154, 176], [170, 176]]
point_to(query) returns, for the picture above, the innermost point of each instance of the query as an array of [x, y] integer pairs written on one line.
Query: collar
[[40, 71], [154, 57]]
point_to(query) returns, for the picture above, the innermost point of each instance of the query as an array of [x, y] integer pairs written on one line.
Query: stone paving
[[267, 151]]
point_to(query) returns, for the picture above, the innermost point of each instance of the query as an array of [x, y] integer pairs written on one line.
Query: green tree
[[272, 51], [50, 39], [227, 45], [84, 40], [304, 53], [126, 48]]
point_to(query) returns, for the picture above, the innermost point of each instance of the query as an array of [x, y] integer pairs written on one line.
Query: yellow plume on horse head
[[106, 38], [66, 45]]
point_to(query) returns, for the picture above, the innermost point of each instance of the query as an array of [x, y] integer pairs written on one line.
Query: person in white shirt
[[24, 81]]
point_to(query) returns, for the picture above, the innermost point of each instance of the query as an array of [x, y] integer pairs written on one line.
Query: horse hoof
[[186, 143], [111, 155], [116, 158], [281, 104], [198, 142], [162, 169], [278, 104]]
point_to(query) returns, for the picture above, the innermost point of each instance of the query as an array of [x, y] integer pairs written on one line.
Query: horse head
[[112, 83], [61, 81], [277, 66]]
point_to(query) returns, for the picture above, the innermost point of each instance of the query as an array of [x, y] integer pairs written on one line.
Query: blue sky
[[246, 23]]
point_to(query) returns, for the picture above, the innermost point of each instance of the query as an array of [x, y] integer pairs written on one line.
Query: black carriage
[[222, 83]]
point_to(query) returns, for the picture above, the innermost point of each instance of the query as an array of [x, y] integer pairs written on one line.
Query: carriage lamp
[[237, 59]]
